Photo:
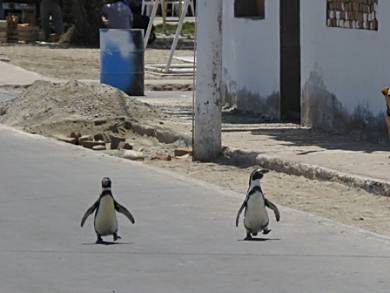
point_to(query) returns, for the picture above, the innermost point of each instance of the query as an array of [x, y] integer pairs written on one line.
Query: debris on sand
[[61, 108], [91, 115]]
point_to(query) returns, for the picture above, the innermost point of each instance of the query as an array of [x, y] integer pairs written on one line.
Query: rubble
[[96, 117], [50, 108], [182, 151], [133, 155], [71, 140], [162, 157], [99, 147], [123, 145], [115, 140], [90, 144], [84, 138]]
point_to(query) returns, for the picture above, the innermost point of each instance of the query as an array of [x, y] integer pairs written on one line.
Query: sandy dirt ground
[[74, 63], [89, 109], [328, 199]]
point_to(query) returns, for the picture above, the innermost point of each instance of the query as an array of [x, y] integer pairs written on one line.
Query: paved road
[[183, 241]]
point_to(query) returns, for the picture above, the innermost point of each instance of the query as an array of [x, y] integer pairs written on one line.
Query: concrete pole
[[208, 100]]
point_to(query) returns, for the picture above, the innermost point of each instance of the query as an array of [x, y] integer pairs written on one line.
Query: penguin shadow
[[108, 243], [259, 239]]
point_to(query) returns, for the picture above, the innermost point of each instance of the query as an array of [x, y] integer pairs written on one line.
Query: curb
[[371, 185], [163, 135], [252, 158], [168, 87]]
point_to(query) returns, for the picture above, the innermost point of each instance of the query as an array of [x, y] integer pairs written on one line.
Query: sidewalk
[[301, 151], [11, 75], [282, 147], [293, 149]]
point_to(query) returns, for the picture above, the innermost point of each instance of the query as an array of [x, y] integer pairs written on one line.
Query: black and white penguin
[[255, 203], [106, 222]]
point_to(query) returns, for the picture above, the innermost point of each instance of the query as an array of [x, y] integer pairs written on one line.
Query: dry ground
[[328, 199], [72, 63]]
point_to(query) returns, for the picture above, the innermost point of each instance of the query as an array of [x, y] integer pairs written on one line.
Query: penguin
[[105, 222], [256, 217]]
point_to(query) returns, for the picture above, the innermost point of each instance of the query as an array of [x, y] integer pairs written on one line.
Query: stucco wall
[[344, 71], [251, 60]]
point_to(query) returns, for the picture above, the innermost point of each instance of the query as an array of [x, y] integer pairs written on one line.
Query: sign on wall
[[352, 14]]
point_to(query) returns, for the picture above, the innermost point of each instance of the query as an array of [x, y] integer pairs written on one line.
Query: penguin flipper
[[88, 212], [273, 207], [121, 209], [239, 212]]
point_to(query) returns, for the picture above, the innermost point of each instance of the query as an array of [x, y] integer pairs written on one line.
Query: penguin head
[[106, 182], [257, 174]]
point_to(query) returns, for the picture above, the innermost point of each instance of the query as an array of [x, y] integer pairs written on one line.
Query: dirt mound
[[49, 108]]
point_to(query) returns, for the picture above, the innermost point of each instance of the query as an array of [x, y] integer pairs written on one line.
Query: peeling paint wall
[[343, 72], [251, 60]]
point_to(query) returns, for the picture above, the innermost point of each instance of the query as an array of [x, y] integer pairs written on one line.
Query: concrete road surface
[[184, 239]]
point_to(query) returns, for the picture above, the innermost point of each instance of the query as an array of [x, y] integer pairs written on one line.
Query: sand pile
[[49, 109]]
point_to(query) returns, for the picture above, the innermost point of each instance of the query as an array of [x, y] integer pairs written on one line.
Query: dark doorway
[[290, 63]]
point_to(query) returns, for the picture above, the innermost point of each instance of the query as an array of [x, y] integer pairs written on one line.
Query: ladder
[[179, 28]]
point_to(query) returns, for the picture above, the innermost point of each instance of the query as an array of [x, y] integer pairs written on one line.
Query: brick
[[89, 144], [162, 157], [115, 140], [182, 151]]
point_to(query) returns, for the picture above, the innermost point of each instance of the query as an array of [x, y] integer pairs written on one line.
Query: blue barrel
[[122, 60]]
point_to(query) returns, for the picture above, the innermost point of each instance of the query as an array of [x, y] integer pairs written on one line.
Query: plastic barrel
[[122, 60]]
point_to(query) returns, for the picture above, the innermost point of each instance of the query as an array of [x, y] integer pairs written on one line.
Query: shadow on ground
[[107, 243], [308, 137]]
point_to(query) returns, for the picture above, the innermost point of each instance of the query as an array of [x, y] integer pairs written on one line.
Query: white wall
[[353, 64], [251, 52]]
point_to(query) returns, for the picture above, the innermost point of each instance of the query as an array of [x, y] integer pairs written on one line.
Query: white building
[[322, 62]]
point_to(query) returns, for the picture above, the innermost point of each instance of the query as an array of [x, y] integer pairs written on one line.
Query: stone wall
[[352, 14]]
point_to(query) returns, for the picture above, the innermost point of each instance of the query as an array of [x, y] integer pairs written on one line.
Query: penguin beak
[[264, 171]]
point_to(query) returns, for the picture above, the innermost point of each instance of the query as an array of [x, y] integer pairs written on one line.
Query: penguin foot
[[116, 237], [266, 231], [248, 236], [99, 240]]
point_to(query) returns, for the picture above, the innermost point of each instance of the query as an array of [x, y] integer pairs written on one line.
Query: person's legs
[[2, 14], [58, 18], [45, 16]]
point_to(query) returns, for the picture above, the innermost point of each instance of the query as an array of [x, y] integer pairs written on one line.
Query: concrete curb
[[252, 158], [163, 135], [372, 185]]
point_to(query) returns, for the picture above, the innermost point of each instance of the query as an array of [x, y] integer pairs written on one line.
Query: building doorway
[[290, 62]]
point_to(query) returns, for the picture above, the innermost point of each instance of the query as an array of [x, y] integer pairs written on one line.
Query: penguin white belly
[[256, 216], [105, 221]]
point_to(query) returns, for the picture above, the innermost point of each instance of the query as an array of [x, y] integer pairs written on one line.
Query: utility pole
[[207, 128]]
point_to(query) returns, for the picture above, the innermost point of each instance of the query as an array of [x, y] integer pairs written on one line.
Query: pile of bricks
[[3, 31], [27, 33], [354, 14]]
